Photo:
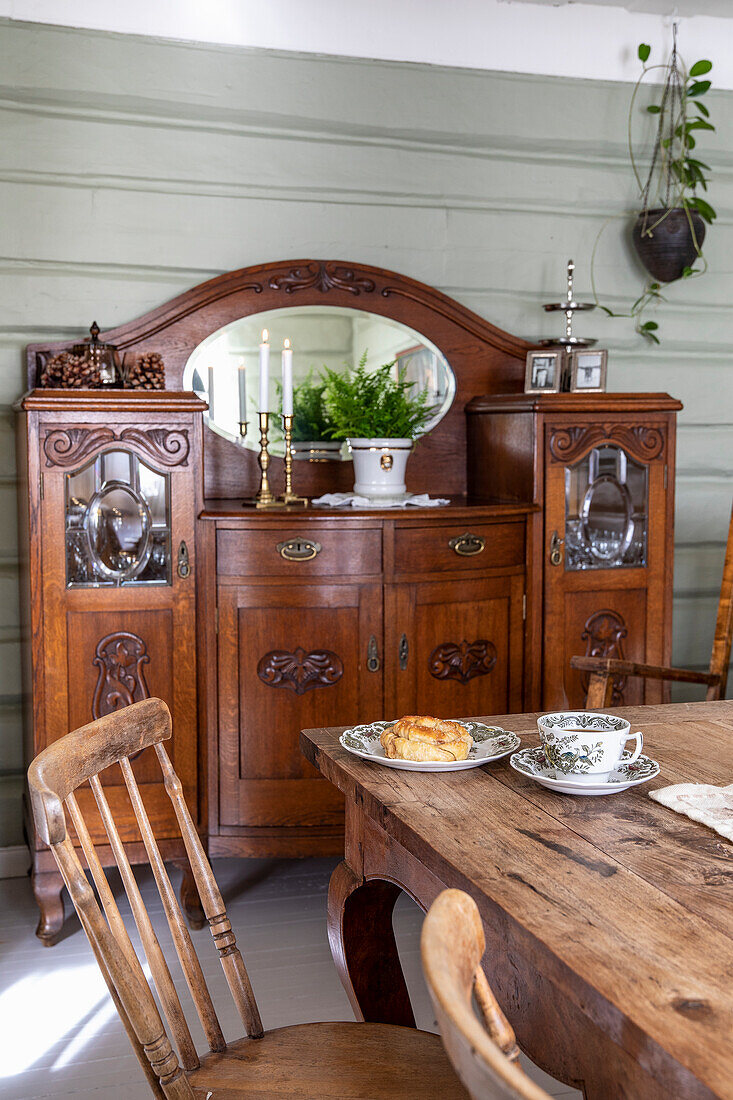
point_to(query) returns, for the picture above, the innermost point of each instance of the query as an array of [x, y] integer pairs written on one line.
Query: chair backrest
[[53, 777], [484, 1055], [720, 658]]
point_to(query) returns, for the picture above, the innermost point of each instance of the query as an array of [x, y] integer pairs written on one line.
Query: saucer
[[489, 743], [532, 762]]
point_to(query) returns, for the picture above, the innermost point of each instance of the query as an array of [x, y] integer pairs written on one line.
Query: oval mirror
[[321, 336]]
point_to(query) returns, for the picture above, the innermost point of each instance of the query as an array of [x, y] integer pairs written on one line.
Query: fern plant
[[363, 404], [310, 418]]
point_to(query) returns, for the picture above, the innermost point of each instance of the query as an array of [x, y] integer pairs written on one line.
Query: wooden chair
[[485, 1055], [315, 1060], [603, 670]]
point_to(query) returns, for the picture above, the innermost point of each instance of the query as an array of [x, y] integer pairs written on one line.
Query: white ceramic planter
[[379, 467]]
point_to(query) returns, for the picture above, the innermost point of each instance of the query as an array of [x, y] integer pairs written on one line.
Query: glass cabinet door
[[117, 523], [606, 511]]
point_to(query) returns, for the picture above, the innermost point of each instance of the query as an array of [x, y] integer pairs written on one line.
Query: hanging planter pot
[[669, 232], [668, 241]]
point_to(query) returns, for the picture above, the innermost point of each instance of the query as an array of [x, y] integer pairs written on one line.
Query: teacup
[[587, 744]]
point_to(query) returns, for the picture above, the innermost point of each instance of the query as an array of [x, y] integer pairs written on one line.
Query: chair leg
[[190, 900], [600, 691]]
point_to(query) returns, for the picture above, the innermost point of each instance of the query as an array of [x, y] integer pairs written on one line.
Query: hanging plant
[[669, 230]]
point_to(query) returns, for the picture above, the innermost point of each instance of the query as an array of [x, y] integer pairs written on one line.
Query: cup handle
[[639, 738]]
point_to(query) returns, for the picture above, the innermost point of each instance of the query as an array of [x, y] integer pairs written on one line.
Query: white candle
[[210, 394], [264, 373], [242, 376], [287, 363]]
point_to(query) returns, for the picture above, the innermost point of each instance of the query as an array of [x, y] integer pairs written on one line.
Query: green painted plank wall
[[132, 169]]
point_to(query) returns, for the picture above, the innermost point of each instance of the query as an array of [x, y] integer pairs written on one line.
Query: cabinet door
[[455, 648], [119, 603], [605, 556], [291, 658]]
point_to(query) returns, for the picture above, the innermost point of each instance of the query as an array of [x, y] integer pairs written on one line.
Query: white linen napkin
[[351, 500], [703, 802]]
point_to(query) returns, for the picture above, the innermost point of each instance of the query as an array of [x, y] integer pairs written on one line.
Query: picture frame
[[544, 370], [588, 369]]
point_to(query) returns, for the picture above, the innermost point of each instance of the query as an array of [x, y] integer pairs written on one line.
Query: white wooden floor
[[60, 1035]]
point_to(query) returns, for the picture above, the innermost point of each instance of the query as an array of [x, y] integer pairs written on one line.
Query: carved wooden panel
[[462, 660], [643, 442], [119, 658], [300, 671], [69, 446], [169, 447], [603, 634], [323, 277]]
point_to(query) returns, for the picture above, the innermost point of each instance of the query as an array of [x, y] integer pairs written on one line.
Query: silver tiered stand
[[568, 307]]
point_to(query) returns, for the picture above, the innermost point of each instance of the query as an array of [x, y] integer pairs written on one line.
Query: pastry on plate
[[421, 738]]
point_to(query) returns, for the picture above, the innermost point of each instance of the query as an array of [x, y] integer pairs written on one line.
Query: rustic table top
[[625, 904]]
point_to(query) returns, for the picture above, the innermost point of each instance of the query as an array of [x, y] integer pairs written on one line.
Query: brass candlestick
[[289, 497], [243, 425], [265, 497]]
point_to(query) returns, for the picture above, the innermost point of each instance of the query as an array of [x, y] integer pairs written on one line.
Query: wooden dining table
[[609, 920]]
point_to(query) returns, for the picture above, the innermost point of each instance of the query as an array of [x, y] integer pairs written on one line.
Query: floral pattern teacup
[[587, 744]]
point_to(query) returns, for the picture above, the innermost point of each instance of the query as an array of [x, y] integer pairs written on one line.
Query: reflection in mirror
[[226, 364]]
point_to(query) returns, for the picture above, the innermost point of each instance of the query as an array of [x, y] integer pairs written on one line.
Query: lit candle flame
[[265, 336], [286, 343]]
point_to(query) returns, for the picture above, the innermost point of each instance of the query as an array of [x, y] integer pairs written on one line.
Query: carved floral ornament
[[68, 446], [323, 277], [462, 660], [300, 671], [121, 680], [603, 634], [643, 442]]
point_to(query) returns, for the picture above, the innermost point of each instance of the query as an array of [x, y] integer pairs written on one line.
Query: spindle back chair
[[602, 671], [484, 1054], [317, 1057]]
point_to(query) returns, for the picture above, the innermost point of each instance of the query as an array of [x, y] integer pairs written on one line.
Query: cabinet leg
[[48, 891], [190, 901]]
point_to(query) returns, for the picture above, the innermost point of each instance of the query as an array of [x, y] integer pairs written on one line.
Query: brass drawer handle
[[298, 549], [184, 566], [373, 661], [467, 545]]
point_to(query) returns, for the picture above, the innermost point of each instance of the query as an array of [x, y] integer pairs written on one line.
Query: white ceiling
[[596, 39], [721, 9]]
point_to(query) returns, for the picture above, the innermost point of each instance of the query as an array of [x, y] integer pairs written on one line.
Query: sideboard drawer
[[446, 549], [298, 550]]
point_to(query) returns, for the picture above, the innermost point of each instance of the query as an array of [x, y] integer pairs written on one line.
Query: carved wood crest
[[121, 680], [69, 446], [300, 671], [323, 277], [462, 660], [640, 440], [603, 635]]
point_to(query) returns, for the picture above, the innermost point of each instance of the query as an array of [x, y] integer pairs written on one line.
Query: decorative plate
[[489, 743], [533, 763]]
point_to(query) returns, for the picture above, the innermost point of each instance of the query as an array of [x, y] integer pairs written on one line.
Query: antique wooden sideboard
[[255, 624]]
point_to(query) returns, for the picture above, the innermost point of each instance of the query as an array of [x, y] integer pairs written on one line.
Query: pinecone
[[147, 372], [67, 371]]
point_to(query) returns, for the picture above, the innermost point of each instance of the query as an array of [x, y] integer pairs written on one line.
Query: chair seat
[[343, 1060]]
